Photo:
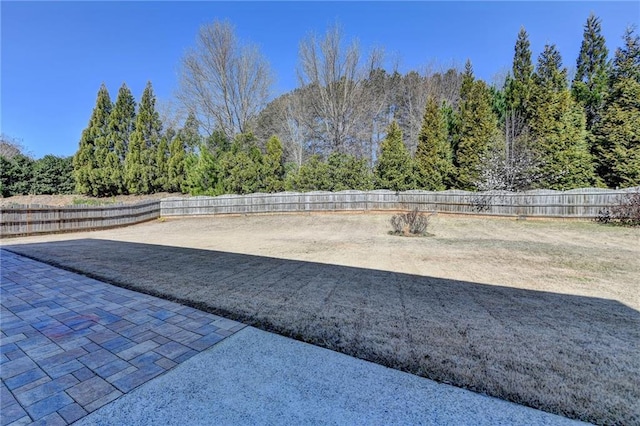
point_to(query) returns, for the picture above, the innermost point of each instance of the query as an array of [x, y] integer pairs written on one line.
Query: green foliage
[[478, 127], [313, 175], [347, 172], [136, 176], [201, 173], [15, 175], [589, 85], [273, 166], [142, 155], [176, 172], [52, 175], [94, 137], [161, 182], [433, 155], [519, 84], [121, 124], [395, 167], [558, 127], [617, 135]]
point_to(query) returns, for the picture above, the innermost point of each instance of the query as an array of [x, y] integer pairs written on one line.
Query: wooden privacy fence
[[578, 203], [33, 219]]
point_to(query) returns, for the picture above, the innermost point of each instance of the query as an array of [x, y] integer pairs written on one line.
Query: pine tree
[[617, 134], [121, 125], [433, 155], [141, 169], [477, 129], [519, 84], [558, 127], [86, 161], [395, 168]]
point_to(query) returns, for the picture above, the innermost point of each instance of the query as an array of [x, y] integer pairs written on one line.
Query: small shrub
[[626, 212], [412, 223]]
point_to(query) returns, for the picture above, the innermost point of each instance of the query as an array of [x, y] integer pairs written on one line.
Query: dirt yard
[[543, 313]]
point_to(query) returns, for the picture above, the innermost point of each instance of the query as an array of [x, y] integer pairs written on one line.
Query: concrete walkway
[[73, 348]]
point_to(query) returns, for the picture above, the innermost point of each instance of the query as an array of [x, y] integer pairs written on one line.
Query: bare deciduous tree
[[226, 83], [510, 164], [335, 73], [10, 147]]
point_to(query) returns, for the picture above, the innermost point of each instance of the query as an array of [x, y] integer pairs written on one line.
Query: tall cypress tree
[[518, 86], [141, 161], [590, 82], [477, 129], [121, 126], [93, 146], [433, 154], [394, 169], [617, 134], [558, 127]]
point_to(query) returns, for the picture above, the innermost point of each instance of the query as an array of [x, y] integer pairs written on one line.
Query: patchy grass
[[544, 314]]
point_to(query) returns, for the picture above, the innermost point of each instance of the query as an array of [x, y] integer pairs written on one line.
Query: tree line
[[20, 174], [352, 124]]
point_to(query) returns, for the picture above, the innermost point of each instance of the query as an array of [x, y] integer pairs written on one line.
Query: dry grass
[[541, 313]]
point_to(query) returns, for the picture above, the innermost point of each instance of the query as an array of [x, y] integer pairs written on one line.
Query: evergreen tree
[[121, 124], [273, 166], [347, 172], [558, 127], [395, 168], [52, 175], [433, 154], [141, 168], [617, 134], [86, 161], [311, 176], [136, 174], [519, 84], [590, 82], [467, 81], [478, 127], [240, 168], [190, 134], [16, 175], [202, 173], [161, 182], [176, 172]]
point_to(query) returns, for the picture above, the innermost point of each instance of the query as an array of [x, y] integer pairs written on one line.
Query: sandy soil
[[537, 312]]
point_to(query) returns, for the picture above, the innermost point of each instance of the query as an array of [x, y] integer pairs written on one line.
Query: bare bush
[[412, 223], [626, 212]]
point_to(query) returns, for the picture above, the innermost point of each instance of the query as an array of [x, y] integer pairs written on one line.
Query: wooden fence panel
[[35, 219], [578, 203]]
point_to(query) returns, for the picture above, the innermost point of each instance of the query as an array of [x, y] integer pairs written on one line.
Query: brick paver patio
[[70, 344]]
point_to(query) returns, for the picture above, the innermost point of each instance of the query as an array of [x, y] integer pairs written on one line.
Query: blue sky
[[55, 55]]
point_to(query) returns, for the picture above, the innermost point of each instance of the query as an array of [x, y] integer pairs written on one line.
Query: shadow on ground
[[570, 355]]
